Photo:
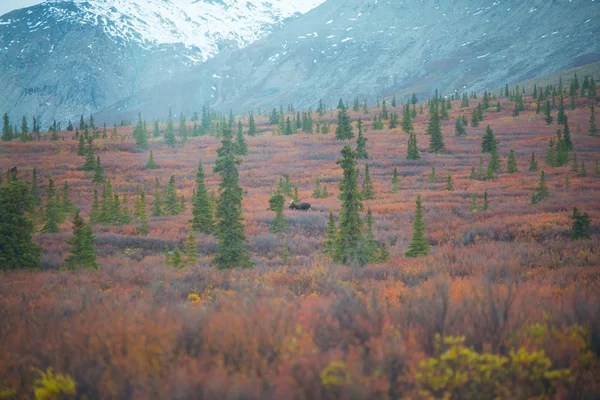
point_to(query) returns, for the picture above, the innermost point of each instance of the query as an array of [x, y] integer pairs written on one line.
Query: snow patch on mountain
[[204, 25]]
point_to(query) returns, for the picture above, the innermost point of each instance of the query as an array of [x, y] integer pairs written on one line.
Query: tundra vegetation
[[450, 253]]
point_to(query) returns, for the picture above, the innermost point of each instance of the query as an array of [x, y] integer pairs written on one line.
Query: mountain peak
[[205, 25]]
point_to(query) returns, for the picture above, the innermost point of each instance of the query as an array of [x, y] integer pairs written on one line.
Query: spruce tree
[[330, 236], [276, 204], [241, 148], [575, 164], [324, 193], [232, 251], [251, 126], [141, 212], [582, 170], [82, 254], [107, 211], [90, 159], [367, 185], [567, 182], [361, 143], [412, 149], [343, 131], [419, 246], [436, 141], [170, 199], [560, 117], [581, 225], [473, 174], [512, 163], [52, 212], [95, 213], [449, 184], [533, 164], [432, 177], [459, 129], [371, 243], [473, 203], [349, 245], [486, 204], [202, 211], [317, 192], [548, 118], [17, 248], [541, 192], [593, 130], [98, 172], [151, 164], [81, 146], [170, 131], [489, 140], [140, 135], [7, 132], [407, 125], [67, 204]]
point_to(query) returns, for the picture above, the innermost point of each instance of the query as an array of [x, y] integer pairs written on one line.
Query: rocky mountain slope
[[372, 48], [67, 57]]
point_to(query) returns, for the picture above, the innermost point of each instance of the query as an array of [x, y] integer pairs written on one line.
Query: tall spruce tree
[[151, 164], [241, 148], [276, 204], [593, 130], [581, 225], [343, 131], [52, 214], [489, 140], [202, 210], [17, 248], [541, 192], [361, 143], [350, 246], [368, 191], [412, 152], [98, 172], [252, 126], [512, 163], [232, 251], [436, 140], [170, 131], [548, 118], [419, 246], [82, 254]]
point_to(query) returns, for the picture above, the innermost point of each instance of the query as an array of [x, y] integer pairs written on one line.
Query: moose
[[299, 206]]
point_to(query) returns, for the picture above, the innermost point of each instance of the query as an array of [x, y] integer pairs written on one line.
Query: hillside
[[371, 49], [64, 58], [505, 288]]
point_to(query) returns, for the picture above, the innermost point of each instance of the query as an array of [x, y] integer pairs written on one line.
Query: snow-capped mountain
[[375, 48], [63, 58], [204, 25]]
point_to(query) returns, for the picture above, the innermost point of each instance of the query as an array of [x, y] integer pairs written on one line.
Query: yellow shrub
[[53, 387]]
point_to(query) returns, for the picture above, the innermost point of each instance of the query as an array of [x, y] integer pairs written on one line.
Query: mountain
[[63, 58], [373, 48]]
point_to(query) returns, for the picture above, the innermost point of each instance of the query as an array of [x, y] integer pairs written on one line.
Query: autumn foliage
[[504, 305]]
